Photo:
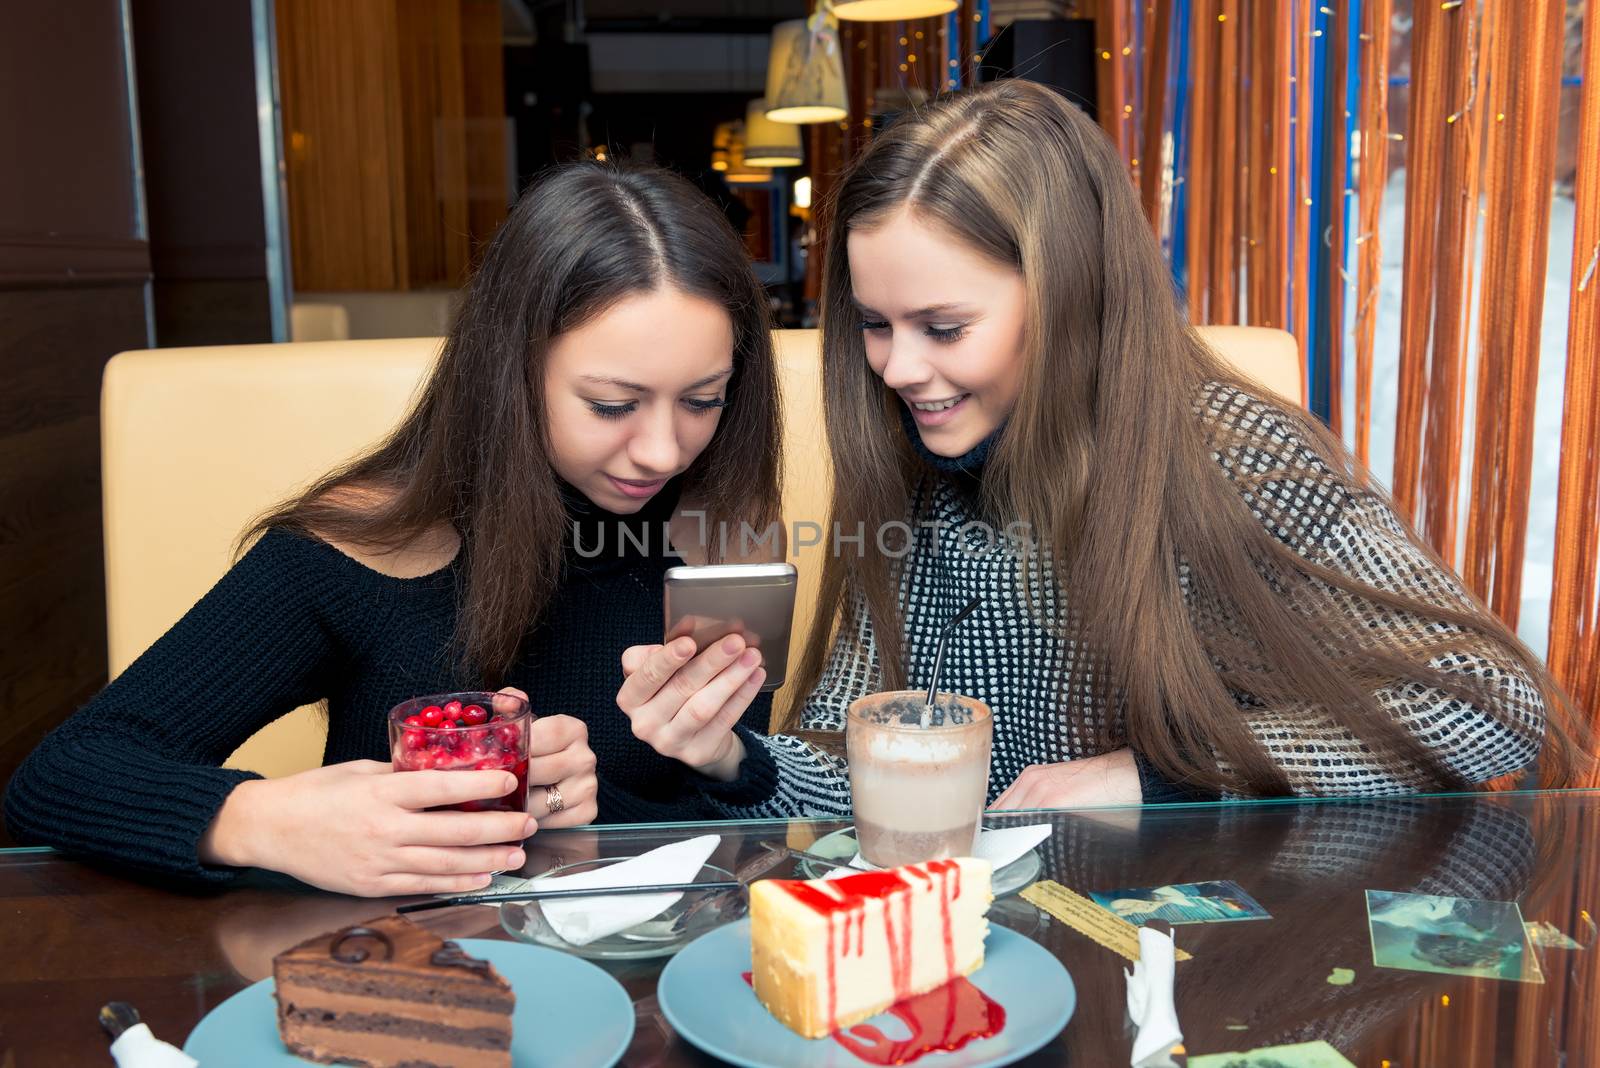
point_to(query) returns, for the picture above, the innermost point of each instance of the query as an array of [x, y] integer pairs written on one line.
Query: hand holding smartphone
[[708, 602]]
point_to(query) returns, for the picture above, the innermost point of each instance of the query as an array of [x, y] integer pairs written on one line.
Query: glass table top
[[73, 937]]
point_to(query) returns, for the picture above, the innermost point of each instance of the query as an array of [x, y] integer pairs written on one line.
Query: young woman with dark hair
[[609, 376]]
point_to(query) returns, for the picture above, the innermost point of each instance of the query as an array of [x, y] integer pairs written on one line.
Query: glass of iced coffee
[[918, 777]]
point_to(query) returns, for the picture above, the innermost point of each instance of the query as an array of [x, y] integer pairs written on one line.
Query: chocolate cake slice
[[391, 994]]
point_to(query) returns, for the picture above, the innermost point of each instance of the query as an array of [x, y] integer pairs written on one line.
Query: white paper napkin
[[1150, 1004], [581, 920], [999, 847], [138, 1048]]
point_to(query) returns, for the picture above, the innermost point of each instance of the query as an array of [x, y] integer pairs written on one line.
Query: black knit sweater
[[133, 778]]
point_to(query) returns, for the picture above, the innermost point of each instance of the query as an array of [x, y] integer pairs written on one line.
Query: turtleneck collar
[[603, 535], [969, 463]]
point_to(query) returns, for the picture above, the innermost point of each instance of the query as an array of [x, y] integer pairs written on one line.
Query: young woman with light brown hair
[[1207, 597]]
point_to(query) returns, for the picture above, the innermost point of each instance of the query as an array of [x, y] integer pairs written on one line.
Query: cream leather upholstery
[[807, 480], [310, 321], [198, 441], [389, 313], [1270, 357]]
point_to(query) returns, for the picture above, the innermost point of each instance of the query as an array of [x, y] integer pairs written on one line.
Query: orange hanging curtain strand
[[1372, 177], [1523, 85], [1304, 239], [1111, 35], [1158, 31], [1203, 98], [1255, 53], [1424, 145], [1224, 244], [1465, 52], [1281, 148], [1332, 244], [1574, 654]]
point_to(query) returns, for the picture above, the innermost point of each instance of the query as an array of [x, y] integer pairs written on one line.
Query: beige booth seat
[[310, 321], [196, 442], [386, 313]]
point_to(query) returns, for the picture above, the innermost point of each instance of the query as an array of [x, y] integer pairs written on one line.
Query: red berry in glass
[[457, 732]]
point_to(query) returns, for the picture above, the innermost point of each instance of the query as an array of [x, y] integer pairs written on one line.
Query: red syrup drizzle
[[940, 1021], [840, 912], [943, 1019]]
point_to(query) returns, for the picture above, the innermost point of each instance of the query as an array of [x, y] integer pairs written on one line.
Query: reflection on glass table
[[76, 937]]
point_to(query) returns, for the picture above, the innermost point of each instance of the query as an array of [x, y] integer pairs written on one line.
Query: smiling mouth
[[938, 406]]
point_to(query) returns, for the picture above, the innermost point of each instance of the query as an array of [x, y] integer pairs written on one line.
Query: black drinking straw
[[938, 656]]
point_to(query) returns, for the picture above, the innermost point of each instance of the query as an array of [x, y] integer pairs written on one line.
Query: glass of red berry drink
[[467, 731]]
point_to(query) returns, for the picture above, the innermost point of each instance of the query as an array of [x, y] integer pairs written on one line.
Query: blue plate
[[568, 1012], [705, 997]]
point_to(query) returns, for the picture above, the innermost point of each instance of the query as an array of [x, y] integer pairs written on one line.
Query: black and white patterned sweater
[[1007, 657]]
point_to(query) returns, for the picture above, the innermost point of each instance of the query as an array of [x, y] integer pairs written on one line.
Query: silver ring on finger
[[553, 802]]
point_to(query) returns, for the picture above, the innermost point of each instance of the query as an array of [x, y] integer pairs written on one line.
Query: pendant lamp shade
[[805, 72], [738, 171], [739, 174], [720, 140], [887, 10], [768, 143]]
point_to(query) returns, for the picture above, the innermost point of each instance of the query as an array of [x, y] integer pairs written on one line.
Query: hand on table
[[1109, 779], [361, 828], [684, 705], [560, 765]]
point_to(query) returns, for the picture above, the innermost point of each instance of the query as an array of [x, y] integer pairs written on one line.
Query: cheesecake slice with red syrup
[[829, 953]]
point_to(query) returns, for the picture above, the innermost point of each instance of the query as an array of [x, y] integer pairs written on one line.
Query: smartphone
[[710, 601]]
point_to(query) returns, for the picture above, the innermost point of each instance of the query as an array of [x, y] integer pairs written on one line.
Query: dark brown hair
[[1106, 460], [473, 452]]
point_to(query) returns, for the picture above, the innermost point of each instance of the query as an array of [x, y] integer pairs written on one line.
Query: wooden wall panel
[[394, 118], [433, 122], [200, 134], [76, 190], [339, 77], [73, 272], [483, 84], [52, 584]]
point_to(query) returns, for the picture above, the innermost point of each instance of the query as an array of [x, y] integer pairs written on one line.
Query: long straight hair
[[1108, 463], [474, 451]]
